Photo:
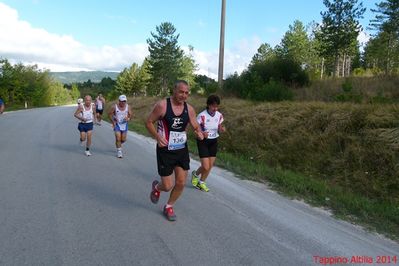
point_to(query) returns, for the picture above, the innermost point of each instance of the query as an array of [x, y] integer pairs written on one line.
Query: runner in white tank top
[[86, 114], [210, 121], [100, 103], [120, 114]]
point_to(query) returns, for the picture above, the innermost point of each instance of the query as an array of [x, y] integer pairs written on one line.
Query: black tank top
[[172, 122]]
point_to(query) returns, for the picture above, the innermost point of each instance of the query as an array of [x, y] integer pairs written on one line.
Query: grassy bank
[[339, 155]]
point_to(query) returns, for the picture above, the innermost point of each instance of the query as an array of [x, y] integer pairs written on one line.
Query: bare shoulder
[[160, 106]]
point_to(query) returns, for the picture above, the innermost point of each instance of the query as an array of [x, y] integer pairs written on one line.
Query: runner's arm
[[111, 115], [194, 123], [129, 114], [93, 108], [157, 113], [78, 113]]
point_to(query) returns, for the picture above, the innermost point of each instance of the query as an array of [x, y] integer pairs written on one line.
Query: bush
[[273, 91]]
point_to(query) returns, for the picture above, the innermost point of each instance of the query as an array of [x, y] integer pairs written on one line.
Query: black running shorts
[[85, 127], [207, 147], [99, 111], [168, 160]]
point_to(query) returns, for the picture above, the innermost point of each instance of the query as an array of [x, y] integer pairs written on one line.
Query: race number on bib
[[122, 126], [177, 140], [212, 134]]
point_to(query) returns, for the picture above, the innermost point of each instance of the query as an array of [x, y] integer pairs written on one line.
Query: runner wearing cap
[[120, 114]]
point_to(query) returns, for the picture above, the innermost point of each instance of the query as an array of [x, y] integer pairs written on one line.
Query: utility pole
[[221, 45]]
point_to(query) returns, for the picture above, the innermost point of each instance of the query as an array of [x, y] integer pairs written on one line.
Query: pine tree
[[339, 31], [165, 59]]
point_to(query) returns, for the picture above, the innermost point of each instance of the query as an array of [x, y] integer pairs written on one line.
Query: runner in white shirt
[[86, 114], [100, 103], [120, 114], [210, 121]]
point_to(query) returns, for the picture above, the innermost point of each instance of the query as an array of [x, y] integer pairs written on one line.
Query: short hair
[[179, 82], [212, 99]]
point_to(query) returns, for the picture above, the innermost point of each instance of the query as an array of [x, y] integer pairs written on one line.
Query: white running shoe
[[87, 153], [119, 154]]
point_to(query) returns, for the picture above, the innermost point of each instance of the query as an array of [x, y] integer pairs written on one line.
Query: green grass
[[382, 217]]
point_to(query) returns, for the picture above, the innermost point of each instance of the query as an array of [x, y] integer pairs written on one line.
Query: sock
[[156, 187], [87, 148], [201, 182], [168, 206], [119, 149]]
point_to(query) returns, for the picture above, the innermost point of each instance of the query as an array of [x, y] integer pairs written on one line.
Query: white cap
[[80, 100], [122, 98]]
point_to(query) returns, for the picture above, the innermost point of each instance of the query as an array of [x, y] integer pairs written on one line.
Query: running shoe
[[194, 179], [202, 186], [154, 196], [169, 213], [87, 153], [119, 154]]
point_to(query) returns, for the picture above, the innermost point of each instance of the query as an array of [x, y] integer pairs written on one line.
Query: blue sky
[[110, 35]]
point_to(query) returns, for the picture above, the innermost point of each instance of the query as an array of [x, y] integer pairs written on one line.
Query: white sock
[[168, 206]]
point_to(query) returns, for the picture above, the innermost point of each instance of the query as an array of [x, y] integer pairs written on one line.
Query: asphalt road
[[59, 207]]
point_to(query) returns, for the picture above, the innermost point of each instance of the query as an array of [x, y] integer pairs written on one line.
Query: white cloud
[[236, 59], [363, 38], [20, 42]]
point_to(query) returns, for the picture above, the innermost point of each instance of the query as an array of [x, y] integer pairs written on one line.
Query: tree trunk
[[322, 68], [336, 71], [343, 66]]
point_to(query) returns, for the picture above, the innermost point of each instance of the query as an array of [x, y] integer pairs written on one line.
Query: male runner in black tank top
[[172, 115]]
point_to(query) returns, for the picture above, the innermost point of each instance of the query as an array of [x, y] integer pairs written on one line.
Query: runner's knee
[[167, 186], [180, 184]]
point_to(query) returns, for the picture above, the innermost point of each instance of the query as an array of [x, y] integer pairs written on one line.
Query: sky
[[72, 35]]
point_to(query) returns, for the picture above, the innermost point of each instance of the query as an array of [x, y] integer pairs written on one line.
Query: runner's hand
[[200, 134], [205, 134], [162, 141]]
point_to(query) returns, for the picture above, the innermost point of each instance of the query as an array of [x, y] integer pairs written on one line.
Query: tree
[[295, 44], [265, 52], [188, 67], [386, 23], [75, 93], [165, 59], [21, 84], [382, 53], [132, 80], [339, 31]]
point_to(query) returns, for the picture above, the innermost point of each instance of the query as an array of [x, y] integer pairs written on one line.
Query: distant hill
[[82, 76]]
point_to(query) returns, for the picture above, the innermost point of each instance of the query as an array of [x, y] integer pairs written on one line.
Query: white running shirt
[[120, 116], [210, 123], [99, 104], [87, 114]]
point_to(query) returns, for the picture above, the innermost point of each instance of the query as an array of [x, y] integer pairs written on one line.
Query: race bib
[[122, 126], [177, 140], [212, 134]]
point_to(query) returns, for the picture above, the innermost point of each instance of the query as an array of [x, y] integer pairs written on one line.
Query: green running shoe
[[194, 179], [202, 186]]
